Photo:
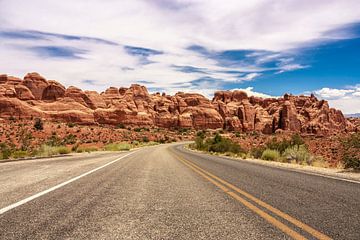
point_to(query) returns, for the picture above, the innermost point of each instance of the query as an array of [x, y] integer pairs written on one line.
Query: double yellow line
[[238, 194]]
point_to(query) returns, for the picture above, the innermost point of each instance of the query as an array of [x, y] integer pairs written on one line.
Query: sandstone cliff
[[34, 96]]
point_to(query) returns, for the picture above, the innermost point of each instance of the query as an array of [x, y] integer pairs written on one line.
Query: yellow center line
[[276, 211]]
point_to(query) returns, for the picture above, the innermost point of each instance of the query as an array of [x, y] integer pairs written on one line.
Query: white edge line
[[28, 199]]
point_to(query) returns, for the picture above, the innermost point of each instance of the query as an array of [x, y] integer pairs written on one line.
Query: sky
[[264, 47]]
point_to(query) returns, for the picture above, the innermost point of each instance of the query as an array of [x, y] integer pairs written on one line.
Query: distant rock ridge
[[34, 96]]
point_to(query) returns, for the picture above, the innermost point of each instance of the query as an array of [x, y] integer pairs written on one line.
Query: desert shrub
[[54, 140], [20, 154], [88, 149], [69, 139], [63, 150], [270, 155], [298, 153], [282, 145], [38, 125], [137, 129], [25, 139], [117, 147], [183, 130], [120, 126], [48, 151], [71, 124], [201, 134], [351, 156], [5, 151], [257, 152], [199, 143], [217, 144], [145, 139]]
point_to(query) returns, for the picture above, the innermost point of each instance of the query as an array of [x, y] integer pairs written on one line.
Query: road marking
[[285, 216], [252, 207], [21, 202]]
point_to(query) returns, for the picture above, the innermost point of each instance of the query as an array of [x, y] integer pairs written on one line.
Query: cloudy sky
[[266, 47]]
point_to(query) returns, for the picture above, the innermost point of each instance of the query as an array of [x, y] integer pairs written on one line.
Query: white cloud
[[168, 26], [348, 100], [249, 91], [333, 93]]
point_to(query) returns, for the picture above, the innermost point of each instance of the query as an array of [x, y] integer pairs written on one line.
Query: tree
[[38, 125]]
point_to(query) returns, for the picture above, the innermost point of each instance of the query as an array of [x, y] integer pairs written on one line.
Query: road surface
[[168, 192]]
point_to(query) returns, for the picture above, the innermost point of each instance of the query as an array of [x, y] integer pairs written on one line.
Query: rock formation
[[233, 110]]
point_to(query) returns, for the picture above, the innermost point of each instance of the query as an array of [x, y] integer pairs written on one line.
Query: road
[[168, 192]]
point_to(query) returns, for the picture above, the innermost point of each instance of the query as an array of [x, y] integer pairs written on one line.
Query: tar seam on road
[[21, 202], [226, 187]]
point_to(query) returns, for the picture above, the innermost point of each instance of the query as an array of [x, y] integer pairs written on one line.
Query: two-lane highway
[[167, 192]]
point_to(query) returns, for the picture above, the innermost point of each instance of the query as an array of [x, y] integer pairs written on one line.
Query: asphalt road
[[167, 192]]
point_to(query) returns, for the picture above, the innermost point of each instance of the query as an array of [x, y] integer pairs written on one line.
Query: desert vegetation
[[352, 151], [293, 150]]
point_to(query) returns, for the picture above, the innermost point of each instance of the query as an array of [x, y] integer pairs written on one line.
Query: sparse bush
[[39, 125], [117, 147], [120, 126], [217, 144], [257, 152], [145, 139], [54, 140], [351, 155], [270, 155], [88, 149], [19, 154], [282, 145], [69, 139], [201, 134], [48, 151], [71, 124], [5, 151], [298, 153]]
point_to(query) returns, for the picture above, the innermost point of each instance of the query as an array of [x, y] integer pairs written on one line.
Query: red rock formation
[[36, 84], [53, 91], [35, 96]]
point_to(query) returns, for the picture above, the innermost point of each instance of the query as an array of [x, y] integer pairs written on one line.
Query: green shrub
[[71, 124], [351, 155], [69, 139], [54, 140], [63, 150], [270, 155], [20, 154], [117, 147], [38, 125], [5, 151], [120, 126], [88, 149], [48, 151], [282, 145], [145, 139], [217, 144], [257, 152], [297, 153]]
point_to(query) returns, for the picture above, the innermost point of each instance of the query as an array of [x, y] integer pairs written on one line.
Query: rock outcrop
[[34, 96]]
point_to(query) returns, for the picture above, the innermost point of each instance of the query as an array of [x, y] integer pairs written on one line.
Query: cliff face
[[37, 97]]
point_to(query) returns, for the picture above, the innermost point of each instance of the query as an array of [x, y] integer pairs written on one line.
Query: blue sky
[[266, 48]]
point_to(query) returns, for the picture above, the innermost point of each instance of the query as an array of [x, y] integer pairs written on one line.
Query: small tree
[[351, 156], [38, 125]]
